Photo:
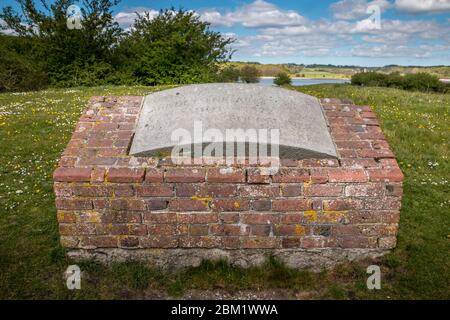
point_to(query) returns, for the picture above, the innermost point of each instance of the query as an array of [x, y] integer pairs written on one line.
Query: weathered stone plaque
[[303, 131]]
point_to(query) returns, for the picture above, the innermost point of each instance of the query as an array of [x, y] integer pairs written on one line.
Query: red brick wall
[[107, 199]]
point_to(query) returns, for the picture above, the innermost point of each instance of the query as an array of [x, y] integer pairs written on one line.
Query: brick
[[347, 175], [395, 190], [198, 218], [129, 242], [156, 204], [162, 230], [160, 217], [352, 144], [293, 218], [66, 217], [73, 204], [319, 176], [154, 175], [260, 243], [187, 189], [292, 190], [75, 229], [322, 231], [214, 191], [62, 189], [154, 190], [258, 176], [379, 153], [260, 218], [184, 175], [261, 205], [69, 241], [289, 175], [291, 205], [226, 175], [357, 242], [230, 205], [317, 163], [92, 191], [72, 174], [359, 163], [127, 204], [387, 242], [288, 243], [323, 190], [230, 242], [386, 175], [123, 190], [259, 191], [98, 175], [364, 190], [67, 161], [260, 230], [159, 242], [121, 217], [99, 242], [129, 229], [189, 205], [312, 242], [229, 230], [229, 217], [89, 216], [291, 230], [342, 204], [198, 230], [199, 242], [123, 175]]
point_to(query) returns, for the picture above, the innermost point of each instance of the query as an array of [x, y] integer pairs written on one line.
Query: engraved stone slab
[[302, 126]]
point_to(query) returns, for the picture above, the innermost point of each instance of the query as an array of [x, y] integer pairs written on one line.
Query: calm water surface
[[304, 82]]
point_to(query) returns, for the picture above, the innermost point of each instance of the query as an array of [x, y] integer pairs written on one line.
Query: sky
[[344, 32]]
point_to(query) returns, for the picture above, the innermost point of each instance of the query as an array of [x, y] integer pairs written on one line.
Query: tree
[[173, 47], [250, 74], [282, 79], [228, 74], [71, 56]]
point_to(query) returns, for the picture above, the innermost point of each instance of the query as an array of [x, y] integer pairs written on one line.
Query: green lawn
[[35, 127]]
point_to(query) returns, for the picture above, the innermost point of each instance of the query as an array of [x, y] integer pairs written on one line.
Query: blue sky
[[408, 32]]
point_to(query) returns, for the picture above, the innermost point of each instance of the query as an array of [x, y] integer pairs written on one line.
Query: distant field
[[332, 72], [35, 127]]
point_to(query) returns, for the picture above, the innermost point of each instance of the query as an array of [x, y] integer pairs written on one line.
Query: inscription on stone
[[303, 131]]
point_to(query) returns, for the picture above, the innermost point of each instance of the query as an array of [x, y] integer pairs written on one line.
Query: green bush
[[370, 79], [413, 82], [250, 74], [18, 73], [173, 48], [228, 74], [282, 79]]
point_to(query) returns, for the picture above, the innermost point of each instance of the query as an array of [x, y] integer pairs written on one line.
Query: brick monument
[[320, 208]]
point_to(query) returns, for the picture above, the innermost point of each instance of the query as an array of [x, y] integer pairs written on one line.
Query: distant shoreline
[[301, 78]]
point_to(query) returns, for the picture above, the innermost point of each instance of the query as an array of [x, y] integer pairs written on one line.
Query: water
[[303, 82]]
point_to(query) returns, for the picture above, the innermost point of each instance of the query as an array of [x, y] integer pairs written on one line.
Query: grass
[[36, 126]]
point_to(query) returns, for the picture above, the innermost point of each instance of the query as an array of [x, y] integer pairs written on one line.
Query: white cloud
[[422, 6], [356, 9], [257, 14], [287, 33], [5, 31], [126, 18]]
